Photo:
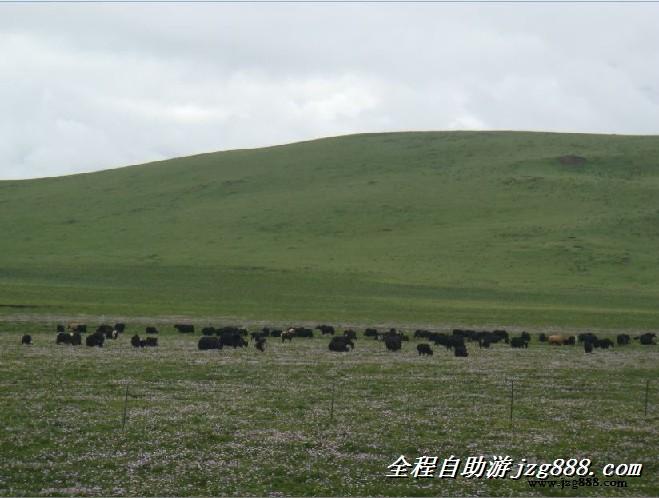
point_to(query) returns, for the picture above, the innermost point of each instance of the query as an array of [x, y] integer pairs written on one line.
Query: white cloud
[[91, 86]]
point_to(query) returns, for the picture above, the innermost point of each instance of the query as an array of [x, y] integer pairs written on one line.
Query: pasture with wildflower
[[299, 419]]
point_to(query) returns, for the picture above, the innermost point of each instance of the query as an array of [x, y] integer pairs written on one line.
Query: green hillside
[[450, 228]]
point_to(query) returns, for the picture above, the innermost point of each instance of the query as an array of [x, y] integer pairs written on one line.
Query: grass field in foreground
[[238, 422], [456, 227]]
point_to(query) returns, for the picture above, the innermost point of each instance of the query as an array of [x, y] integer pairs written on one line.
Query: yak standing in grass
[[341, 344], [288, 335], [424, 349], [350, 334], [325, 329], [63, 338], [260, 343], [184, 328], [519, 342], [371, 333], [393, 342], [26, 339], [623, 339], [588, 346], [460, 351], [233, 339], [137, 342], [603, 343], [646, 339], [207, 342], [95, 340]]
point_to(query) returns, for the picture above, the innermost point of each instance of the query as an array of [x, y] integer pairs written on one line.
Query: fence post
[[647, 390], [332, 404], [123, 422], [512, 397]]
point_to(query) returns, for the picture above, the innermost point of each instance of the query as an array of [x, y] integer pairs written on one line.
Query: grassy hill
[[450, 227]]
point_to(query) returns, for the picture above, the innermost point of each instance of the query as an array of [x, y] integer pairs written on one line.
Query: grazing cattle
[[461, 351], [587, 337], [151, 330], [151, 342], [570, 341], [421, 333], [623, 339], [646, 339], [484, 343], [350, 334], [135, 341], [519, 342], [302, 332], [455, 341], [77, 327], [603, 343], [76, 339], [231, 330], [95, 340], [63, 338], [104, 329], [341, 344], [258, 335], [234, 339], [371, 333], [260, 343], [208, 331], [207, 342], [556, 340], [288, 335], [120, 327], [424, 349], [26, 339], [325, 329], [60, 327], [392, 342], [526, 336], [448, 341], [588, 346], [542, 337], [184, 328], [111, 334], [275, 333], [502, 335]]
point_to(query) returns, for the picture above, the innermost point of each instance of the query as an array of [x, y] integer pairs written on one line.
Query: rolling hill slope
[[446, 227]]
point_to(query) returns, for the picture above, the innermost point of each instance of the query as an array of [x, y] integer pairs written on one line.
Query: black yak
[[341, 344], [424, 349], [95, 340], [207, 342], [392, 342]]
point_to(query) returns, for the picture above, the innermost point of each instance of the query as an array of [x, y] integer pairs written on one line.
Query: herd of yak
[[218, 338]]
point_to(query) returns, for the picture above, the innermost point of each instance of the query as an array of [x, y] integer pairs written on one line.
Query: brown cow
[[557, 340]]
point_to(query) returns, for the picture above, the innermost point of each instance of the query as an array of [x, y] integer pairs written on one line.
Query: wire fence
[[509, 400]]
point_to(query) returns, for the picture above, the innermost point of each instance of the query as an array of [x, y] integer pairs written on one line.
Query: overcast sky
[[91, 86]]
